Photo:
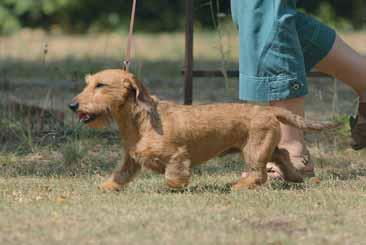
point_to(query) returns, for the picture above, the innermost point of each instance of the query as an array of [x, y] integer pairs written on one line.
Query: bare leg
[[120, 178], [343, 63], [347, 65], [292, 138]]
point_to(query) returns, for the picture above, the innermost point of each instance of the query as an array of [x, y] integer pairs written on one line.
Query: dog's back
[[211, 128], [215, 128]]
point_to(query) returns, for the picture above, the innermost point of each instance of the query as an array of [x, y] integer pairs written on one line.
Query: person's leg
[[292, 142], [347, 65], [329, 54], [341, 62], [292, 138]]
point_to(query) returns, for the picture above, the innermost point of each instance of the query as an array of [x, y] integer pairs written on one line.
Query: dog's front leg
[[120, 178]]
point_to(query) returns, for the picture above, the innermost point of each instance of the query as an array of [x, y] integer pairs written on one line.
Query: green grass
[[70, 210], [50, 195], [49, 178]]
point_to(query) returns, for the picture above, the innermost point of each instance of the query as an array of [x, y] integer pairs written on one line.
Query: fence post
[[188, 66]]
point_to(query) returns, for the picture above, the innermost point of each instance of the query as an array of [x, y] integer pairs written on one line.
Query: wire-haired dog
[[170, 138]]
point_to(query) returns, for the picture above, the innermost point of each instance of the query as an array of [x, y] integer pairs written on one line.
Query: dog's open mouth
[[86, 118]]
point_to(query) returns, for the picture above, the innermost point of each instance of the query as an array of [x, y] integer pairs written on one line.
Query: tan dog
[[170, 138]]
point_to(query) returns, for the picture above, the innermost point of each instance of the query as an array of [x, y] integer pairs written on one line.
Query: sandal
[[358, 128], [304, 165]]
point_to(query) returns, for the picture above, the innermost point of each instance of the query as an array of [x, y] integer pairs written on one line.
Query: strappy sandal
[[304, 165], [358, 128]]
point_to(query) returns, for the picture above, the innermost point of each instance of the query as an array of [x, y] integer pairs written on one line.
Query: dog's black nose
[[74, 106]]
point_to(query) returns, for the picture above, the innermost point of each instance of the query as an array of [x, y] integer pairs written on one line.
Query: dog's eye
[[100, 85]]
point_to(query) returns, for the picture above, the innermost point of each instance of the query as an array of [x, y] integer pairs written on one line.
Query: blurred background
[[48, 46], [93, 16]]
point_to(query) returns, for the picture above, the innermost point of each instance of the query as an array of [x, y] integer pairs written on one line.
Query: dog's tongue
[[84, 117]]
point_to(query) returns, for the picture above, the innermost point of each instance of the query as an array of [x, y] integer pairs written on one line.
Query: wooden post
[[188, 66]]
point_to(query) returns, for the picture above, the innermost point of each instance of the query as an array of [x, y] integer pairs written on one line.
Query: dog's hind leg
[[178, 170], [120, 178], [257, 152]]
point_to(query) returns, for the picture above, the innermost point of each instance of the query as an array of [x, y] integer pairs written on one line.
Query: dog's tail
[[289, 118]]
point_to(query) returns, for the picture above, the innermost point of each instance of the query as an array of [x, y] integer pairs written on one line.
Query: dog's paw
[[110, 186], [177, 184], [248, 182]]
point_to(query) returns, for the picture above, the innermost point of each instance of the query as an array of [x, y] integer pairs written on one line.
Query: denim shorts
[[278, 47]]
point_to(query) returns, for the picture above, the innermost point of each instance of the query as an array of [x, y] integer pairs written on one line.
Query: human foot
[[303, 164]]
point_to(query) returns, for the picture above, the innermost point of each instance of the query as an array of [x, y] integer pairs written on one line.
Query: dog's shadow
[[280, 185], [197, 189], [227, 188]]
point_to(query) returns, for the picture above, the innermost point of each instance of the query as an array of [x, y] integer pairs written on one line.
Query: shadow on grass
[[60, 151], [226, 188], [55, 169], [66, 78], [339, 169], [345, 174], [197, 189], [220, 165], [282, 185]]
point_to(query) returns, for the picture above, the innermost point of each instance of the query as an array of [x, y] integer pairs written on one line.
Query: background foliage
[[153, 15]]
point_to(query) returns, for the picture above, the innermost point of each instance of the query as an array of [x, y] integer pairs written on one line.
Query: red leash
[[127, 61]]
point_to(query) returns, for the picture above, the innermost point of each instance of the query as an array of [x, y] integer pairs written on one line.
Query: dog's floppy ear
[[143, 97]]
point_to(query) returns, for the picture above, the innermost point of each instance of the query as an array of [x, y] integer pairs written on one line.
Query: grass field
[[49, 177]]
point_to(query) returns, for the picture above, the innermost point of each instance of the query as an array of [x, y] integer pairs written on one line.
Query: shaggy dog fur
[[170, 138]]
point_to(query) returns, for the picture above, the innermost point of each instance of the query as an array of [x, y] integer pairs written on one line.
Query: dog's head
[[105, 93]]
